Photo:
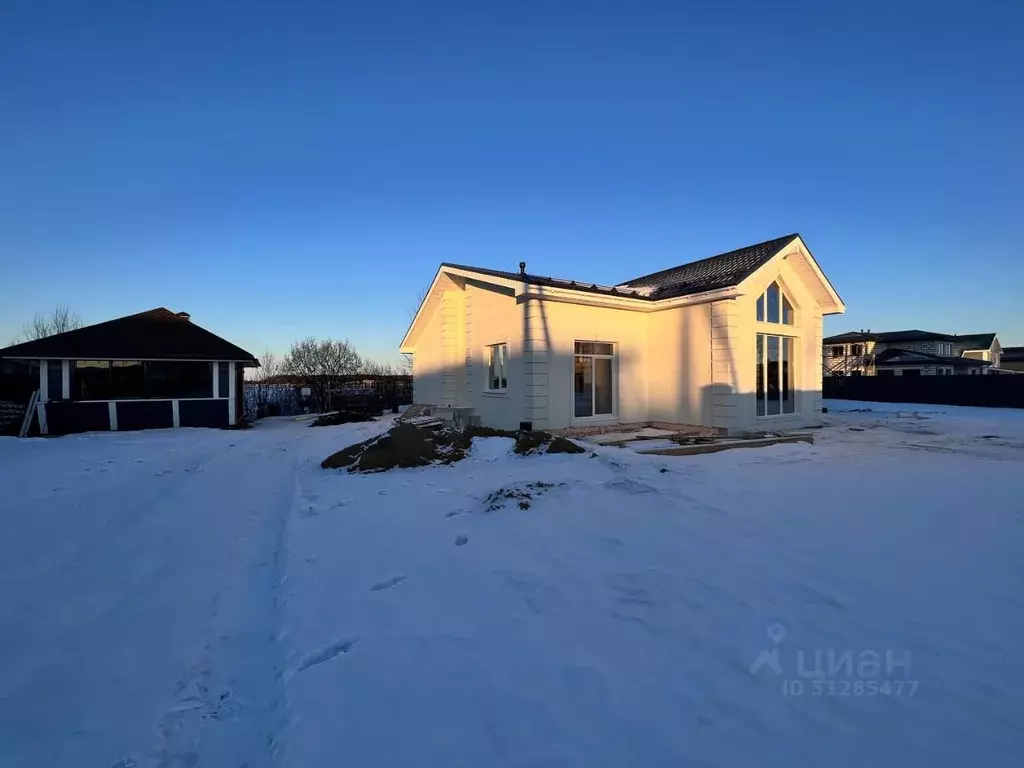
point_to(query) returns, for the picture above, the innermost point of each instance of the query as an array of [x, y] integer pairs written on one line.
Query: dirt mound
[[406, 446]]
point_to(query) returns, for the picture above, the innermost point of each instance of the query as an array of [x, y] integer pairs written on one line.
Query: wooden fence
[[985, 391]]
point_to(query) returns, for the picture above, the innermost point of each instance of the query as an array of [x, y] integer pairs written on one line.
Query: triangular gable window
[[773, 306]]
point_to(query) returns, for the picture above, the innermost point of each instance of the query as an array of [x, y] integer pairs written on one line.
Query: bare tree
[[260, 380], [321, 366], [60, 320], [379, 369]]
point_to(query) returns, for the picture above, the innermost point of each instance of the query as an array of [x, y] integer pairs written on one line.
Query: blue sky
[[290, 169]]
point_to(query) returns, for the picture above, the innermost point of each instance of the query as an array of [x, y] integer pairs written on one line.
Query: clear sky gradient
[[283, 169]]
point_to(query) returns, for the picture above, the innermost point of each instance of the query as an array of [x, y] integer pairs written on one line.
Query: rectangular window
[[837, 351], [602, 385], [497, 367], [786, 394], [760, 375], [127, 378], [856, 350], [886, 372], [772, 388], [593, 379], [110, 380], [178, 379], [18, 379], [223, 385], [911, 371], [583, 387], [92, 380], [55, 380], [776, 375]]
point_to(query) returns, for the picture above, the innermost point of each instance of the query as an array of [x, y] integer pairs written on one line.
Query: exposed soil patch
[[521, 495], [407, 446], [340, 417]]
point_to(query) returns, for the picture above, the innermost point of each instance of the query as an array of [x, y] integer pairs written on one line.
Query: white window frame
[[761, 304], [792, 373], [614, 357], [489, 350]]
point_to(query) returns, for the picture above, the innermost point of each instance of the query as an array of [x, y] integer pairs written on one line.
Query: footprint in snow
[[629, 486], [393, 581], [461, 539], [327, 653]]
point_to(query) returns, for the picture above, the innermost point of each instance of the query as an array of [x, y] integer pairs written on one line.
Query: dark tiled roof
[[970, 340], [722, 271], [883, 358], [976, 340], [914, 335], [1012, 355], [844, 338], [158, 334], [552, 282]]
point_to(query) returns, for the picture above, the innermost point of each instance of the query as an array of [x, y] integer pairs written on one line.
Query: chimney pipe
[[522, 267]]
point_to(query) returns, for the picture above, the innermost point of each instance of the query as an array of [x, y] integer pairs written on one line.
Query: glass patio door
[[593, 380]]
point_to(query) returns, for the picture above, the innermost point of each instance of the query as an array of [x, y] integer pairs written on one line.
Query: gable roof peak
[[711, 273]]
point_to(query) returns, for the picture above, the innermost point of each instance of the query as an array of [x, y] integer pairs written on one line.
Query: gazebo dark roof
[[158, 334]]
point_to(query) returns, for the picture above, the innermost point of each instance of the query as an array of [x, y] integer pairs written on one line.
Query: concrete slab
[[726, 444]]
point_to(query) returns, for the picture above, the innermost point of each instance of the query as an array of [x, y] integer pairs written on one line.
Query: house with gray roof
[[911, 353], [731, 342]]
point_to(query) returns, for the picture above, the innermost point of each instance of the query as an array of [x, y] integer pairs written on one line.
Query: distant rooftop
[[971, 341]]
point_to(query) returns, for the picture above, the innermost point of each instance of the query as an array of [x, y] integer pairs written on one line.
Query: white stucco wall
[[493, 317], [427, 363], [679, 365], [569, 323]]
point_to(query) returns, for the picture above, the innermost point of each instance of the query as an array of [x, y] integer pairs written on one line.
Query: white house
[[731, 342]]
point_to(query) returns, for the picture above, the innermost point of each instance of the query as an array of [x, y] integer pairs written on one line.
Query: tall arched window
[[774, 307], [776, 394]]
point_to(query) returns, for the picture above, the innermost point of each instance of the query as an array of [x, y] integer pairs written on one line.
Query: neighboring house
[[732, 342], [914, 352], [150, 370], [1012, 359]]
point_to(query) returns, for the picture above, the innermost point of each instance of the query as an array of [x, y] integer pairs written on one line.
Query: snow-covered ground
[[210, 598]]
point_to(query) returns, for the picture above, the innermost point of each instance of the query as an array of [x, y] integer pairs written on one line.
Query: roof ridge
[[787, 238]]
